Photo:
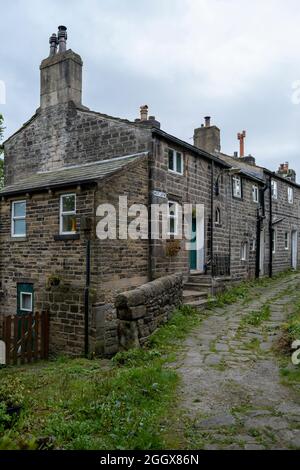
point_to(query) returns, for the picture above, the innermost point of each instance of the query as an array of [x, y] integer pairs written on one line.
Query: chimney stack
[[61, 73], [207, 137], [286, 172]]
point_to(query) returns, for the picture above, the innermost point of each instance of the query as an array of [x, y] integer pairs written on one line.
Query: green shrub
[[11, 391]]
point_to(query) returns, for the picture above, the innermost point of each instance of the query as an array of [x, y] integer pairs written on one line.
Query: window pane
[[19, 209], [68, 203], [171, 160], [20, 227], [172, 226], [69, 223], [179, 162], [26, 302]]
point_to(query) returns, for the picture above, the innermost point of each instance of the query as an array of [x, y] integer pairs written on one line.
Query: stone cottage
[[67, 160]]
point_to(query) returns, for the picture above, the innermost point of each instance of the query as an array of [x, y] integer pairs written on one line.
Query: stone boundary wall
[[141, 311]]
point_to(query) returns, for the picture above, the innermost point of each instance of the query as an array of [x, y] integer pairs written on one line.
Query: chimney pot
[[62, 38], [144, 112], [207, 121], [53, 41]]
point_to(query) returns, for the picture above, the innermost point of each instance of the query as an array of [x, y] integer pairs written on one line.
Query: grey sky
[[231, 59]]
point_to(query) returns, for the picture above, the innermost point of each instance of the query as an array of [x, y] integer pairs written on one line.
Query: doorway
[[196, 246], [294, 244]]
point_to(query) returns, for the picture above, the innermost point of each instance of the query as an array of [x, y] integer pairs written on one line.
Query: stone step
[[197, 304], [200, 280], [193, 295], [197, 286], [200, 276]]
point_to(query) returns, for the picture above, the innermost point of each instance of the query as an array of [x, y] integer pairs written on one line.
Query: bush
[[11, 392]]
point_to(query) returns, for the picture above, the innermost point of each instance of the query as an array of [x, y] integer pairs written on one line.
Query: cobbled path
[[231, 392]]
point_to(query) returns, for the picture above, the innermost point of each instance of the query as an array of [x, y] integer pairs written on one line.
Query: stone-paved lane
[[231, 390]]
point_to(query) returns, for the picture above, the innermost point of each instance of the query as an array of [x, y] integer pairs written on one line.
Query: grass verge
[[94, 404]]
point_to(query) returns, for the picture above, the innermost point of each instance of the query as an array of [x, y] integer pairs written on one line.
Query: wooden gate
[[26, 337]]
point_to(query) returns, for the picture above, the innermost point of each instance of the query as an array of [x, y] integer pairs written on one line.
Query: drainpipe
[[212, 220], [258, 230], [86, 227], [87, 297], [151, 160], [270, 228], [260, 218]]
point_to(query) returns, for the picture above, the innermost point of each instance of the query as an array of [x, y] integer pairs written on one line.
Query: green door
[[25, 304], [193, 251], [25, 299]]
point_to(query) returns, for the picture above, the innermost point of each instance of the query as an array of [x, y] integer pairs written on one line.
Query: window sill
[[74, 236], [18, 239], [173, 172]]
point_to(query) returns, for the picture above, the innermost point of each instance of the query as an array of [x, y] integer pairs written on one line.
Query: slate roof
[[70, 176], [251, 171]]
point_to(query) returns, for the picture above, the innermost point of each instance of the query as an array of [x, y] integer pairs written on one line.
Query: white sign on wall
[[2, 353]]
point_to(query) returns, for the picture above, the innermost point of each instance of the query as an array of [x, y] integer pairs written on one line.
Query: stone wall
[[141, 311], [64, 135], [66, 313], [243, 229]]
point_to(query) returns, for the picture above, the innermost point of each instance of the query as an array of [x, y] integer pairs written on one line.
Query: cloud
[[234, 60]]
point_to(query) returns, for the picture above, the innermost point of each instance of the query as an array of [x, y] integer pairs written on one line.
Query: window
[[173, 218], [237, 186], [218, 216], [175, 162], [290, 195], [26, 301], [274, 189], [286, 240], [255, 193], [253, 245], [273, 241], [18, 219], [68, 214], [244, 249]]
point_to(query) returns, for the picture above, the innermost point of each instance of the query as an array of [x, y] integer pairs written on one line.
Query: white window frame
[[244, 251], [255, 193], [14, 218], [21, 302], [237, 187], [274, 188], [286, 241], [274, 241], [63, 213], [290, 195], [175, 217], [175, 171]]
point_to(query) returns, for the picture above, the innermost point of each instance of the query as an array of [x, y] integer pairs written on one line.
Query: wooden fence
[[26, 337]]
